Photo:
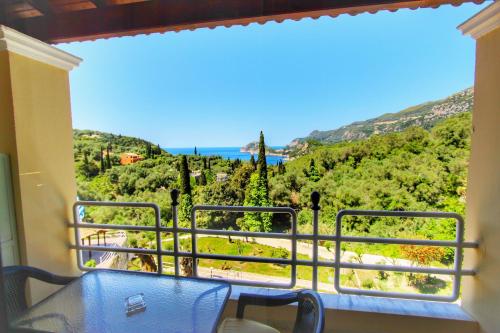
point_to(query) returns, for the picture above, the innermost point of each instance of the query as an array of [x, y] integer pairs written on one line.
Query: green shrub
[[368, 284], [91, 263]]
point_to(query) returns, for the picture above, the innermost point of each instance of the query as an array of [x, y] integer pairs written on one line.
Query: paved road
[[306, 249], [101, 257]]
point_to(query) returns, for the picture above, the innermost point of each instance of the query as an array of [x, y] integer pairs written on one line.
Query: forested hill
[[94, 141], [424, 115]]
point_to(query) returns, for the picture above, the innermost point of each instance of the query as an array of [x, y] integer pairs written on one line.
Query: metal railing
[[337, 264]]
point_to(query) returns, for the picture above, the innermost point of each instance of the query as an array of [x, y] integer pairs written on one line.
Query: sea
[[226, 152]]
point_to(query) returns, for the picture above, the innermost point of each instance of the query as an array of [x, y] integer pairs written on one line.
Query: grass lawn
[[364, 279], [216, 245]]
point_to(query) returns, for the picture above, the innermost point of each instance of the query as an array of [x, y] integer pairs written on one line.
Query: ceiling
[[55, 21]]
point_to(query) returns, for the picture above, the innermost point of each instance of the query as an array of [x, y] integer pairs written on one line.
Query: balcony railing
[[293, 236]]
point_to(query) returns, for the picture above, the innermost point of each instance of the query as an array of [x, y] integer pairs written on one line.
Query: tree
[[252, 162], [262, 162], [281, 168], [108, 158], [101, 158], [149, 152], [186, 202], [85, 157], [203, 178], [256, 195], [186, 205], [195, 151], [313, 173], [185, 180], [422, 255], [87, 168]]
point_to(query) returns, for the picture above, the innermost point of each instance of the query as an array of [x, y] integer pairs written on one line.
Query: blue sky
[[213, 88]]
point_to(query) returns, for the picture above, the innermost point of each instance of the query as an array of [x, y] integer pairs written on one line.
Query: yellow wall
[[481, 294], [36, 132]]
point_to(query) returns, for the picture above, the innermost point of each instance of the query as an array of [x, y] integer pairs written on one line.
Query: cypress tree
[[204, 162], [103, 167], [252, 162], [261, 161], [85, 158], [184, 176], [148, 151], [195, 151], [281, 168], [108, 159], [313, 171], [203, 178], [186, 202]]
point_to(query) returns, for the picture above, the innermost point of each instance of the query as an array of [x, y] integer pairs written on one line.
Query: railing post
[[174, 194], [194, 240], [158, 239], [315, 207]]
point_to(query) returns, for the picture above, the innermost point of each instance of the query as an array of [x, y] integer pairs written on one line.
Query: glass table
[[98, 301]]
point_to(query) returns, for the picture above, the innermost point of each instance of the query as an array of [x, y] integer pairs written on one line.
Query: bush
[[368, 284], [91, 263]]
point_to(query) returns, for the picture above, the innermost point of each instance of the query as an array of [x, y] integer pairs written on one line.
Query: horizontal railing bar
[[407, 269], [244, 258], [302, 262], [470, 245], [400, 241], [353, 239], [242, 233], [242, 209], [392, 213], [379, 240], [117, 204], [115, 227], [113, 249], [310, 263]]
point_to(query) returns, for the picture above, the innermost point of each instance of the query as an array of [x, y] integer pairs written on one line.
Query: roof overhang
[[483, 22], [55, 21]]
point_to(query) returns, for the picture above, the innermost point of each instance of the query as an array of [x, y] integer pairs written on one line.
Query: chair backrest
[[310, 313], [4, 323], [14, 278]]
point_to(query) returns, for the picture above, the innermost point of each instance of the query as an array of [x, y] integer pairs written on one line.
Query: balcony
[[342, 302], [35, 139]]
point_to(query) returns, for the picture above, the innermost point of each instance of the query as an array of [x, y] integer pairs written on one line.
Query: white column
[[481, 294], [36, 134]]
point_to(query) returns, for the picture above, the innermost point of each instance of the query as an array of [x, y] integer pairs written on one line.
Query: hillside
[[425, 115], [253, 148], [93, 141]]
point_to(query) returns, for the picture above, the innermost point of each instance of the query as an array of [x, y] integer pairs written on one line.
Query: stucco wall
[[36, 132], [481, 294]]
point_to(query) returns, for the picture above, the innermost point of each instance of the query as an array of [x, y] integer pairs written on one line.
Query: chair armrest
[[45, 276], [264, 300]]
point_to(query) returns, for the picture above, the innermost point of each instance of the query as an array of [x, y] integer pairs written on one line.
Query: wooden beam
[[42, 6], [174, 15], [99, 3]]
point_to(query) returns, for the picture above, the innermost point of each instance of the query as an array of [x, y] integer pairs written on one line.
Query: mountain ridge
[[425, 115]]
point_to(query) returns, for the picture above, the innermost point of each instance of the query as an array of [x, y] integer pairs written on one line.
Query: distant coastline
[[275, 152], [231, 153]]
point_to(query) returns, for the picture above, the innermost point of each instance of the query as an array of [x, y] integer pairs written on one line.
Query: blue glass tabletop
[[98, 302]]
